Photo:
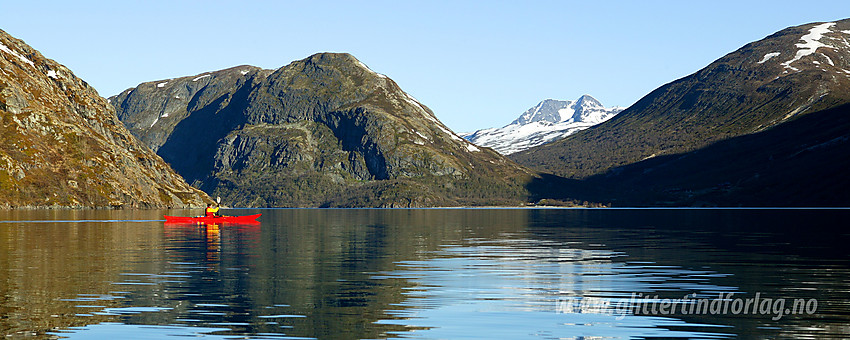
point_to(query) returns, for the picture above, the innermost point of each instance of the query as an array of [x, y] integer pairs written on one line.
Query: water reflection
[[562, 291], [416, 273]]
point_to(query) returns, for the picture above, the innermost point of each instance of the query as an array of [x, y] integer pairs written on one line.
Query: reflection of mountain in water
[[560, 289], [371, 273]]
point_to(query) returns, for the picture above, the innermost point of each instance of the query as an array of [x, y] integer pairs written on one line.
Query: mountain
[[733, 129], [322, 131], [63, 146], [547, 121], [800, 163]]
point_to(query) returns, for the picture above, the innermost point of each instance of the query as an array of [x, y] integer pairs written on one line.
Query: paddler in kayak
[[211, 211]]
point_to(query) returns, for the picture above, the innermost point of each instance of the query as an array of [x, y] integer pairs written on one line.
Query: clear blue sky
[[477, 64]]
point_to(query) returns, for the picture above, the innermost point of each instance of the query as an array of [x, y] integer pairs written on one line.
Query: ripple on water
[[466, 290]]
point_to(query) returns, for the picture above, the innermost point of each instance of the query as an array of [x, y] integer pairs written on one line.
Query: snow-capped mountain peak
[[547, 121], [549, 110]]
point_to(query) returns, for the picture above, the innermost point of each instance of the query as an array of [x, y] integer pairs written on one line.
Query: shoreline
[[530, 207]]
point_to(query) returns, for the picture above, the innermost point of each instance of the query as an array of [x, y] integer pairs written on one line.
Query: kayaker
[[211, 211]]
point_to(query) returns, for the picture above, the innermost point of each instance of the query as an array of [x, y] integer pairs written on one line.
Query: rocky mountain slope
[[754, 96], [548, 121], [323, 131], [63, 146]]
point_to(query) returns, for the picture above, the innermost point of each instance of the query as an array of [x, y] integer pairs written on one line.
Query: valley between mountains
[[765, 125]]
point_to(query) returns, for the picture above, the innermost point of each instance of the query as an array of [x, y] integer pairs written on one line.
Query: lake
[[427, 274]]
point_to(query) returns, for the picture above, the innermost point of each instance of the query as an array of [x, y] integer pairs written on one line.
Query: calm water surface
[[427, 274]]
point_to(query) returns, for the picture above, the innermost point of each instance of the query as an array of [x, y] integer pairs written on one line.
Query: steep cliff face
[[152, 110], [323, 131], [63, 146]]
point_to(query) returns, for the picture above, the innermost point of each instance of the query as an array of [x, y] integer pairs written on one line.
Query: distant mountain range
[[323, 131], [764, 125], [547, 121], [61, 144]]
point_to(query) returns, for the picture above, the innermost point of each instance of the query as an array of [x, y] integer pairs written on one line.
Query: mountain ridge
[[696, 110], [322, 131], [753, 96], [65, 147]]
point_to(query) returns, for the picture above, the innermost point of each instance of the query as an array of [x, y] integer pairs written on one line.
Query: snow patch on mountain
[[370, 70], [6, 49], [428, 116], [811, 42], [547, 121], [768, 57]]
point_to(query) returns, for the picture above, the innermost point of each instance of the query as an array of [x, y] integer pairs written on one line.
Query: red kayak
[[220, 219]]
